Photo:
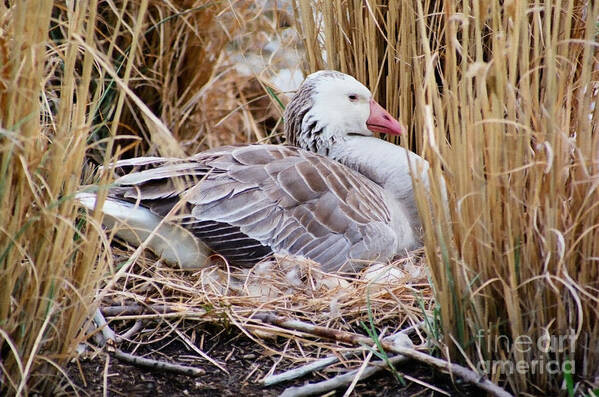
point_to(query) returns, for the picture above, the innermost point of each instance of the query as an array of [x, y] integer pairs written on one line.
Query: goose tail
[[137, 225]]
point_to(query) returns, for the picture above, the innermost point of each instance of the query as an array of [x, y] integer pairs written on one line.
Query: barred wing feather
[[247, 202]]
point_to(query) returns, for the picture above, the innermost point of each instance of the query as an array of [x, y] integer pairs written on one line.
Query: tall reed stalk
[[501, 98], [47, 270], [82, 82]]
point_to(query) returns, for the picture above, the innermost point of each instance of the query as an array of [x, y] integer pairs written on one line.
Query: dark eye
[[353, 97]]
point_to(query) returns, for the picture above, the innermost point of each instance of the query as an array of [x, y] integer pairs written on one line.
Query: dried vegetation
[[83, 83], [500, 98]]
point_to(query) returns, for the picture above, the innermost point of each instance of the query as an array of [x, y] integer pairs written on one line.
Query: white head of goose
[[340, 196]]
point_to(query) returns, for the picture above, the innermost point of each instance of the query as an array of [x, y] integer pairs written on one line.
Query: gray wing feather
[[247, 201]]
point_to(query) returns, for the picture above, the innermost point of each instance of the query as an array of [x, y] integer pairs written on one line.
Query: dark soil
[[247, 364]]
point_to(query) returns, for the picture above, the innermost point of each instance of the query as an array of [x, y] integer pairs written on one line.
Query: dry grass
[[497, 98], [184, 74], [47, 275], [82, 83], [173, 303], [502, 101]]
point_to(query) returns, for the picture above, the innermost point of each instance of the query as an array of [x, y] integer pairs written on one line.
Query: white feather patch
[[136, 224]]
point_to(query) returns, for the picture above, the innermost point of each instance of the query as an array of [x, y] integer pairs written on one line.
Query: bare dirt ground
[[246, 362]]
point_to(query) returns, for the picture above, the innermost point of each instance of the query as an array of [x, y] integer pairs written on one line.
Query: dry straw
[[94, 81], [97, 79], [47, 276], [502, 100]]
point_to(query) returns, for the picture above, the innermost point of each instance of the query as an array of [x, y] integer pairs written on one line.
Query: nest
[[151, 302]]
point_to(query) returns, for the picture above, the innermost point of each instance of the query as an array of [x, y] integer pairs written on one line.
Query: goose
[[336, 194]]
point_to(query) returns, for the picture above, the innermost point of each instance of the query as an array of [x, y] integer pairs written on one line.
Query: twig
[[301, 371], [322, 363], [427, 385], [329, 333], [412, 328], [110, 336], [133, 309], [139, 312], [131, 331], [340, 380], [359, 372], [348, 337], [185, 315], [196, 349], [142, 309], [157, 365], [105, 377]]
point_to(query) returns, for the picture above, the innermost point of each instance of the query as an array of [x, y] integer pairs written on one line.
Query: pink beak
[[381, 121]]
